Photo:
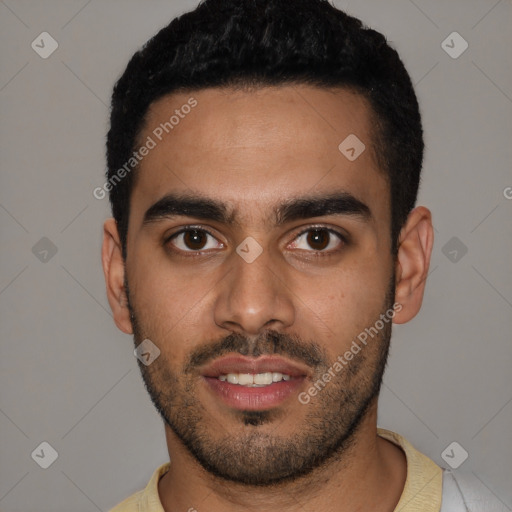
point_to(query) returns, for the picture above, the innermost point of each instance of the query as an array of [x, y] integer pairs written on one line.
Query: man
[[264, 158]]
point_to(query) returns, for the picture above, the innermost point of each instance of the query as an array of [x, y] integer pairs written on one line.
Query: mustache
[[268, 343]]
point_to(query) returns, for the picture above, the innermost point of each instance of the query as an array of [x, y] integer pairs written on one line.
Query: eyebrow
[[301, 208]]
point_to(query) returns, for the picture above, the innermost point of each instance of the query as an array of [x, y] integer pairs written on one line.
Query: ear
[[113, 268], [413, 261]]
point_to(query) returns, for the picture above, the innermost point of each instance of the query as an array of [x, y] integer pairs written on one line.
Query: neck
[[369, 475]]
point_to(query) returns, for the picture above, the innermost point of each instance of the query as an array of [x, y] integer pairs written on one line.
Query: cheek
[[160, 286], [171, 304], [343, 303]]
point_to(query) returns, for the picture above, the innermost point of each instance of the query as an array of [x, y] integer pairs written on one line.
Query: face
[[257, 253]]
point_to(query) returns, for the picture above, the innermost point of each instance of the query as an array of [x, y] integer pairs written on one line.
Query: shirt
[[422, 491]]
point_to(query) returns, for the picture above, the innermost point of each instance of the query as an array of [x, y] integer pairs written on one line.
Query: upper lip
[[262, 364]]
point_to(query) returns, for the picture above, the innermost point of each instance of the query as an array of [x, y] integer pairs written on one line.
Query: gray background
[[69, 378]]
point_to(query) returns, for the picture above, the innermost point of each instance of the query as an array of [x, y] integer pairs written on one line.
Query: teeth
[[233, 378], [244, 379], [276, 376], [254, 380], [263, 378]]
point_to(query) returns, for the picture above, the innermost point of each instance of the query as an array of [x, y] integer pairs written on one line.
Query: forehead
[[254, 148]]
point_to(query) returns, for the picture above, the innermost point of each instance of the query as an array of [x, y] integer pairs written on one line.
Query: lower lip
[[254, 399]]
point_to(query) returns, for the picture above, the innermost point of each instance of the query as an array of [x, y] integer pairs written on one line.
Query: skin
[[255, 150]]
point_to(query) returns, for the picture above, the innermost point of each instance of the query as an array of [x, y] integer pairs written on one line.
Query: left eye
[[318, 239]]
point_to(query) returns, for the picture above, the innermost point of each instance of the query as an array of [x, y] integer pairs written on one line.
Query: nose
[[253, 297]]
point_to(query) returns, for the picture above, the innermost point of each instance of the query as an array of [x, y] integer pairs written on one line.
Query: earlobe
[[413, 261], [113, 269]]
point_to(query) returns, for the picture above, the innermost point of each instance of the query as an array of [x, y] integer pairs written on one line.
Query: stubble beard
[[252, 453]]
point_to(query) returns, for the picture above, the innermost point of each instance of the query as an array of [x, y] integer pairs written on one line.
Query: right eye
[[194, 240]]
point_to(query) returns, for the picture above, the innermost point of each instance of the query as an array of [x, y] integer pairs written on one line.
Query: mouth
[[256, 380], [254, 384]]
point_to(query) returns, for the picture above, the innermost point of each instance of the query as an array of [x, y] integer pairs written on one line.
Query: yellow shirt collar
[[422, 491]]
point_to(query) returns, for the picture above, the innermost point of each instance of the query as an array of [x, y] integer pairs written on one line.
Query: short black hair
[[253, 43]]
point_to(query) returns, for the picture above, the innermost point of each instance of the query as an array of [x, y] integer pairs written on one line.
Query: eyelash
[[343, 239]]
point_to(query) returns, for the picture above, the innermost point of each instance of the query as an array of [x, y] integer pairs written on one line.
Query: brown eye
[[194, 240], [318, 239]]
